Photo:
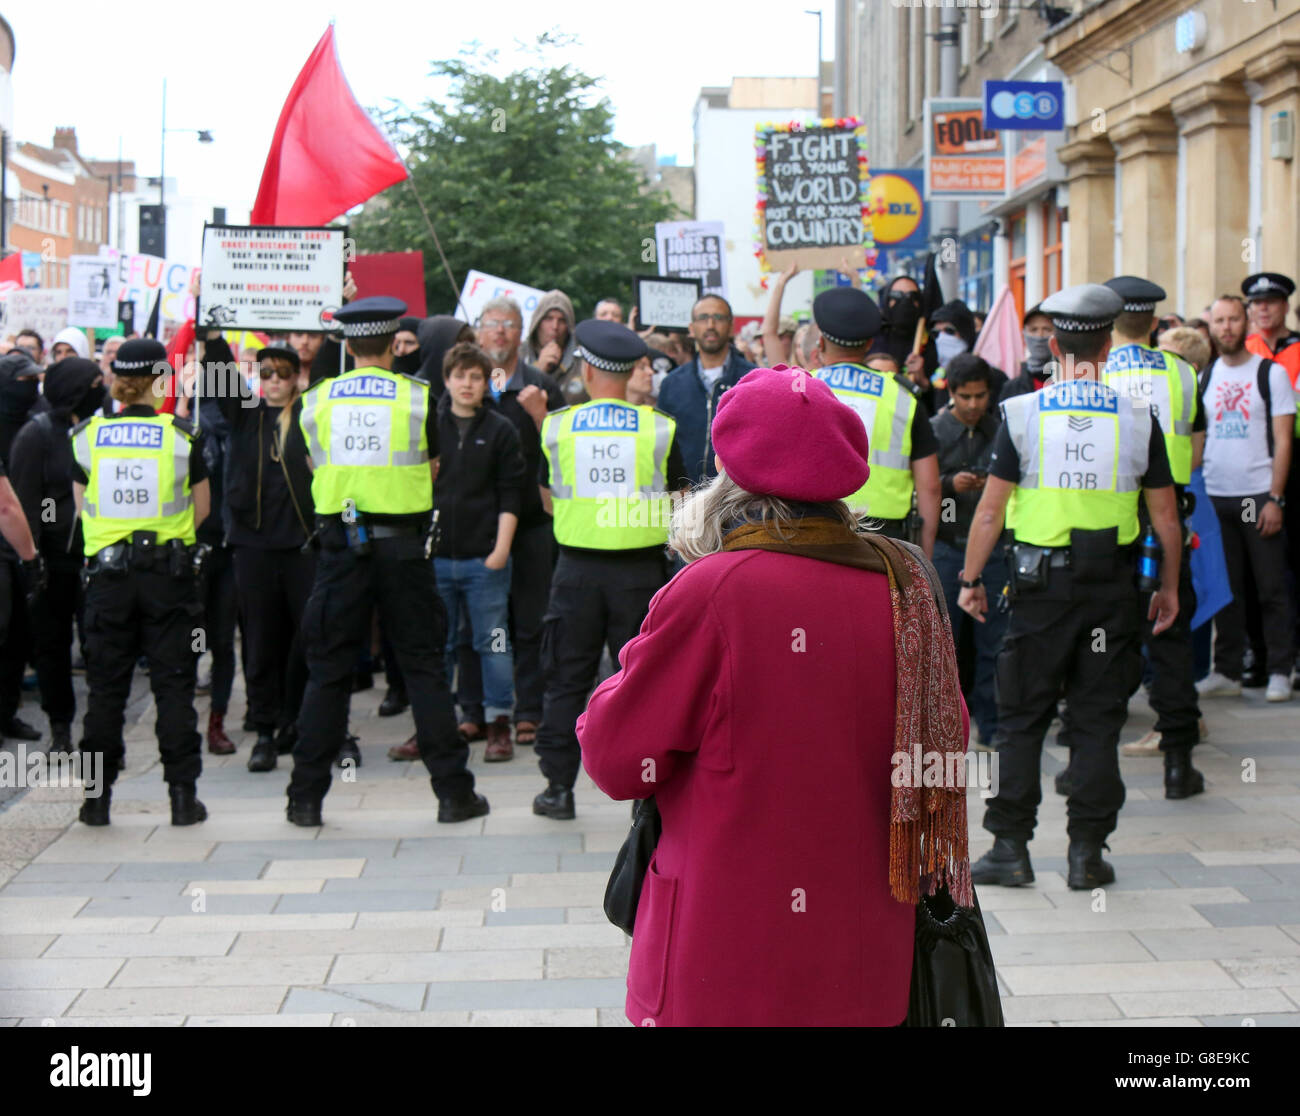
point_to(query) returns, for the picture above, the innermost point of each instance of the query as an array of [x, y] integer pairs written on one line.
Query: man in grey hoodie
[[550, 345]]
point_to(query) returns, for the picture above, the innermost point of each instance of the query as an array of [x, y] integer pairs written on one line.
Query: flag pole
[[455, 287]]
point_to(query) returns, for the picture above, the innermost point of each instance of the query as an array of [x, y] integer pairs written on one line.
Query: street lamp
[[205, 136], [817, 82]]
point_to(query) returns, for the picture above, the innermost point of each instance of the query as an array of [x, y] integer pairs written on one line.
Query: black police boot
[[1063, 783], [1005, 864], [60, 738], [17, 729], [1087, 869], [304, 812], [394, 702], [1182, 780], [264, 752], [286, 738], [186, 808], [554, 802], [462, 809], [349, 751], [94, 811]]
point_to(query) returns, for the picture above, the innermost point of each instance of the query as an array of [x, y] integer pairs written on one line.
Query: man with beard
[[551, 344], [690, 393], [40, 467]]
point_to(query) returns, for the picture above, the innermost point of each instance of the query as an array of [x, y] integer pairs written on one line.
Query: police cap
[[140, 357], [1267, 284], [371, 317], [846, 316], [1083, 309], [609, 346], [1140, 295]]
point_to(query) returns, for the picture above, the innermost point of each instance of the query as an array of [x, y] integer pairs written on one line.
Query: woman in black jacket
[[268, 500]]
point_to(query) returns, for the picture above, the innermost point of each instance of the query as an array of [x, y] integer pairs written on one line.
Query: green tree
[[521, 178]]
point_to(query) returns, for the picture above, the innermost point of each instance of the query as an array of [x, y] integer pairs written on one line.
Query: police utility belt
[[142, 551], [1093, 558], [357, 532]]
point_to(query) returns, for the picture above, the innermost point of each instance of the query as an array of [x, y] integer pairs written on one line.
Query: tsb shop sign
[[1037, 106]]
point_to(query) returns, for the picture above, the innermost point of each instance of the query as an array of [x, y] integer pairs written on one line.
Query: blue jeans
[[982, 699], [466, 585]]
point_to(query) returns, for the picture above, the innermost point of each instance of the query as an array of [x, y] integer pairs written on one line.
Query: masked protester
[[20, 389], [1037, 368], [952, 327], [40, 468]]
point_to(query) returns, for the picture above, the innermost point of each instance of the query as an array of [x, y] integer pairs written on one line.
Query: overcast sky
[[100, 66]]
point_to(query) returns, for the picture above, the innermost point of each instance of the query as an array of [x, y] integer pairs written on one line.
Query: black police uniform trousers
[[274, 585], [597, 601], [52, 619], [1173, 667], [1085, 640], [15, 635], [151, 612], [399, 580]]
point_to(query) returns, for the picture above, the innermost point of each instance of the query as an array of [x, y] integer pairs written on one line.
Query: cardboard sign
[[665, 303], [963, 159], [44, 310], [812, 182], [92, 293], [271, 278], [694, 250], [481, 288]]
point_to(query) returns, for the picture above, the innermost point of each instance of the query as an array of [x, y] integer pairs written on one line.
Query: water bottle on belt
[[1149, 562]]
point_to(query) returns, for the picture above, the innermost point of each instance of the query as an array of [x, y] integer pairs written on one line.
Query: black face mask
[[90, 402], [408, 364], [903, 310], [17, 397]]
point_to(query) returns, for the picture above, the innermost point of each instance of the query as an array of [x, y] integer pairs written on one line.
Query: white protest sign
[[480, 288], [271, 278], [665, 303], [92, 295], [45, 310], [694, 250]]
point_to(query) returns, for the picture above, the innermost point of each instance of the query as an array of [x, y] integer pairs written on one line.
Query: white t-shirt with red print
[[1237, 461]]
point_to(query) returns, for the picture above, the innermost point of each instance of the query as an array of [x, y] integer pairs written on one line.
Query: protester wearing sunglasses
[[269, 509]]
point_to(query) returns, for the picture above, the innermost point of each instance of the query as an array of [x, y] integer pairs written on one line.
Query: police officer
[[373, 442], [141, 489], [904, 452], [1168, 384], [608, 466], [1068, 465]]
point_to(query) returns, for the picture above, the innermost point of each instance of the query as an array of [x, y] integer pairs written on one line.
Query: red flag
[[327, 154], [11, 273]]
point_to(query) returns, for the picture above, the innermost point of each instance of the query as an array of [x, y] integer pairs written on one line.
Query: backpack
[[1265, 365]]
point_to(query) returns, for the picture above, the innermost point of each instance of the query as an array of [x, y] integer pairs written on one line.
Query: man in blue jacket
[[690, 393]]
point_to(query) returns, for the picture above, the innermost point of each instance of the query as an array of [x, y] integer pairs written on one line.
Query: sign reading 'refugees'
[[813, 192], [270, 278]]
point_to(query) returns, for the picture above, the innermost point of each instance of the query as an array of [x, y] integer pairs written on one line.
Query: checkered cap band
[[132, 365], [603, 363], [370, 329], [1081, 325], [1139, 307], [844, 342]]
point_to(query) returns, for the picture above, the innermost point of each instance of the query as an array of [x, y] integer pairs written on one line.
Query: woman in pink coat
[[761, 705]]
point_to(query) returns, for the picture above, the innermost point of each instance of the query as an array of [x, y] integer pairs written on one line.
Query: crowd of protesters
[[495, 381]]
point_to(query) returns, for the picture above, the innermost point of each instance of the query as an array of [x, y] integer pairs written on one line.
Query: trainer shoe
[[1148, 745], [1215, 684], [1279, 688]]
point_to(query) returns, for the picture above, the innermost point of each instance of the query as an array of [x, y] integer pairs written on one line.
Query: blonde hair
[[284, 420], [132, 390], [701, 521], [1187, 342]]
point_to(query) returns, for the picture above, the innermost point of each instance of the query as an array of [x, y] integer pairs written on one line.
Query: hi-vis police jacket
[[138, 474], [608, 463], [1168, 385], [365, 432], [1083, 451]]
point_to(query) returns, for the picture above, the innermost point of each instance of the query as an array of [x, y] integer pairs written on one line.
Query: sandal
[[471, 731], [525, 732]]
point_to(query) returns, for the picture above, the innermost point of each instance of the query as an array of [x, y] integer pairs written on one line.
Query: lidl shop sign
[[1033, 106], [899, 219]]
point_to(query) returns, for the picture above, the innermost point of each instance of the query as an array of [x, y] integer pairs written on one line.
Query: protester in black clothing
[[952, 328], [269, 507], [20, 389], [1037, 367], [900, 306]]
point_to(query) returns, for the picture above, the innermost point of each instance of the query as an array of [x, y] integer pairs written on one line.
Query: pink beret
[[781, 432]]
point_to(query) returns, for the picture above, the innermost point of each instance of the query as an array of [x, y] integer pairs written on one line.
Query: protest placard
[[480, 288], [665, 303], [270, 277], [45, 310], [812, 183], [143, 280], [693, 250], [92, 296]]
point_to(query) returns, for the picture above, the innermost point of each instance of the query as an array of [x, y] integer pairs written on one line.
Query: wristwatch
[[969, 584], [1280, 501]]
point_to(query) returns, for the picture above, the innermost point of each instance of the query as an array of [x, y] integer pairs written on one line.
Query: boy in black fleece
[[478, 493]]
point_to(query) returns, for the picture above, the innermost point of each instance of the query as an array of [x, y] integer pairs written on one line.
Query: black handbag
[[953, 980], [623, 892]]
